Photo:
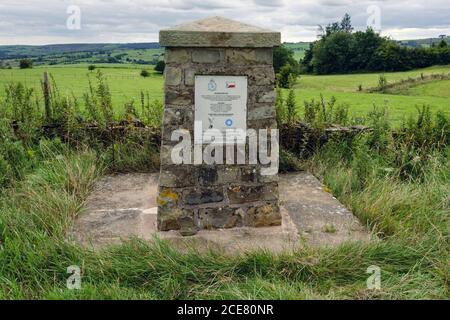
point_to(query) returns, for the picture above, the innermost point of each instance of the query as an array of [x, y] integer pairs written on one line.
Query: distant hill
[[298, 48], [24, 51], [144, 53], [425, 43], [135, 53]]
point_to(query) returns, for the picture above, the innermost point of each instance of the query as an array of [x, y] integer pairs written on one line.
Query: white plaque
[[221, 103]]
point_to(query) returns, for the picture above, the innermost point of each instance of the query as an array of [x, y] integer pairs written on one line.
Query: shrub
[[99, 102], [151, 112], [144, 73], [291, 108], [289, 162], [25, 64], [323, 113], [91, 67], [160, 66], [382, 83], [283, 56], [378, 138], [286, 77], [279, 107]]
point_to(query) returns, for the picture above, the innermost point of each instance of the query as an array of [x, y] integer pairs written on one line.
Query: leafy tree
[[26, 64], [160, 66], [332, 53], [442, 44], [91, 67], [283, 56], [306, 63], [364, 46], [346, 24], [340, 50]]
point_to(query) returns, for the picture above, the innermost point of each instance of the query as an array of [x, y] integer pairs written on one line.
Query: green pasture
[[124, 81], [298, 49], [126, 84], [345, 89]]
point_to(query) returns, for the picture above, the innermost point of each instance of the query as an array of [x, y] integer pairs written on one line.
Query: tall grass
[[128, 139], [395, 182], [398, 189]]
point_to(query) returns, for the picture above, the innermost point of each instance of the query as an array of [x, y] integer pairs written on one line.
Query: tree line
[[341, 50]]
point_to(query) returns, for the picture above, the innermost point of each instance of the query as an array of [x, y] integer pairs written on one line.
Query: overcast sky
[[45, 21]]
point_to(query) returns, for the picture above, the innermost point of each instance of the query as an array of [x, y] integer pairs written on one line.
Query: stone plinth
[[123, 207], [208, 196]]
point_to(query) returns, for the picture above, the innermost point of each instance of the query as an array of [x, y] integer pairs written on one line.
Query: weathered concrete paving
[[124, 206]]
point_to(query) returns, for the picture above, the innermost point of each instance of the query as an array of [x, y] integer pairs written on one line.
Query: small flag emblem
[[231, 84]]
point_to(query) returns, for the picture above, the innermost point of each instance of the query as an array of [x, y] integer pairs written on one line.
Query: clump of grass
[[289, 162], [98, 101], [321, 114], [382, 83], [329, 228]]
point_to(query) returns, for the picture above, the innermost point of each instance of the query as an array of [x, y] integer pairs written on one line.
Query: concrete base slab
[[124, 206]]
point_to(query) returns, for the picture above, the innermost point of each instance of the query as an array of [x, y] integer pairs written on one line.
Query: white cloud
[[33, 22]]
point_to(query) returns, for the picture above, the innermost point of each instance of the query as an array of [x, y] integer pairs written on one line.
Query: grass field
[[126, 84], [409, 217], [124, 81], [298, 48], [440, 89], [345, 89], [397, 187]]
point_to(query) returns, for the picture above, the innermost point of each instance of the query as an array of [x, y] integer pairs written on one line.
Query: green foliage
[[25, 64], [24, 128], [151, 112], [21, 107], [418, 139], [285, 66], [331, 53], [345, 25], [322, 113], [283, 56], [144, 73], [382, 83], [279, 107], [134, 152], [289, 162], [408, 219], [407, 213], [99, 102], [286, 77], [160, 66], [379, 137], [291, 108], [340, 50], [91, 67], [442, 44]]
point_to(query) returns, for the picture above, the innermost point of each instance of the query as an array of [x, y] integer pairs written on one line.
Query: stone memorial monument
[[219, 151]]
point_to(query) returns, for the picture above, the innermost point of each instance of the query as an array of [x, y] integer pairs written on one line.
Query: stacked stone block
[[193, 197]]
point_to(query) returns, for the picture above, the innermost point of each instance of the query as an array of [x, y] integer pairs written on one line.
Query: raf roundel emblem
[[228, 122], [212, 86]]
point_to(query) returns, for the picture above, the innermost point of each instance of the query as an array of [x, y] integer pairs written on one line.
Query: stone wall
[[193, 197]]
